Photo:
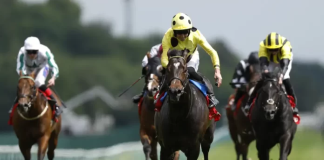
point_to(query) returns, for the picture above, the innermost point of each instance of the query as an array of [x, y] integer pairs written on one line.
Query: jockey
[[182, 35], [277, 49], [34, 56], [155, 51], [242, 76]]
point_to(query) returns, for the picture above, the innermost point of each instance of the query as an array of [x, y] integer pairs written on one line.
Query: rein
[[36, 117]]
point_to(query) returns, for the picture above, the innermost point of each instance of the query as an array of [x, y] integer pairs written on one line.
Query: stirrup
[[137, 98], [246, 109], [213, 101]]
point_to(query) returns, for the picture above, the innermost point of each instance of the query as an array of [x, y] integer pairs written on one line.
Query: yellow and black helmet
[[273, 41], [181, 21]]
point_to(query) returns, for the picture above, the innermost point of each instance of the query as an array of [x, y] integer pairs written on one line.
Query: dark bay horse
[[272, 117], [146, 107], [239, 124], [33, 120], [183, 121]]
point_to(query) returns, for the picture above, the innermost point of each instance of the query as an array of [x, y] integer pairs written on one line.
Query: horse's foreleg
[[52, 145], [42, 146], [246, 140], [208, 139], [193, 152], [205, 149], [263, 152], [285, 146], [146, 142], [25, 148], [153, 154], [233, 132], [166, 154]]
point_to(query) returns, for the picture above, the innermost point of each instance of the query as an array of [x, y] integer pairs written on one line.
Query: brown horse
[[33, 120], [240, 127], [146, 107]]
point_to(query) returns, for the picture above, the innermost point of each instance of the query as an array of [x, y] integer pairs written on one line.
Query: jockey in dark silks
[[242, 76], [156, 50], [277, 49]]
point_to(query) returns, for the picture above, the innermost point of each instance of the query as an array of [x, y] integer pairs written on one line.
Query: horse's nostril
[[272, 112], [155, 89], [179, 91]]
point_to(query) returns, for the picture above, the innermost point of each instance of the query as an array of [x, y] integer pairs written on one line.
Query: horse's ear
[[185, 52], [20, 73], [148, 55], [33, 74]]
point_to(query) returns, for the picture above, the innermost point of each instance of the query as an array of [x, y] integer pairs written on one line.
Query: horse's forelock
[[174, 52]]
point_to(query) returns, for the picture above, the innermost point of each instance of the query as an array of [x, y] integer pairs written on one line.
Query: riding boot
[[16, 101], [290, 91], [238, 95], [52, 100], [137, 98], [211, 96], [252, 96], [163, 88]]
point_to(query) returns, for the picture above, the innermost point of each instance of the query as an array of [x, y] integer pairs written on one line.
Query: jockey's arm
[[52, 64], [285, 58], [144, 61], [153, 53], [209, 49], [21, 65], [166, 44]]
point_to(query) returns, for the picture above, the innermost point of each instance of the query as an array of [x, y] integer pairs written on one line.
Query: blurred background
[[99, 45]]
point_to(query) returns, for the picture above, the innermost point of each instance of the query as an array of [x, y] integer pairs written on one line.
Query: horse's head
[[177, 73], [271, 93], [26, 92], [153, 74]]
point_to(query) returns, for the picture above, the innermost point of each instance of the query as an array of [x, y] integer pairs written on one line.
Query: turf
[[307, 145]]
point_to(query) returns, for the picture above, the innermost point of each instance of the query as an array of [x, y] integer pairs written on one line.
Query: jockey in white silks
[[34, 56]]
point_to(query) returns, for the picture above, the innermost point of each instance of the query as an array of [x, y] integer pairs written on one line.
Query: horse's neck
[[181, 108], [283, 106]]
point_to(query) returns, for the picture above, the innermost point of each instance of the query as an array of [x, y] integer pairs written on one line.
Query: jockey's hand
[[218, 77], [51, 82], [280, 79]]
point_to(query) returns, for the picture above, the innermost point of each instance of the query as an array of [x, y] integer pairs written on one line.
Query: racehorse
[[239, 124], [33, 120], [272, 117], [146, 107], [183, 122]]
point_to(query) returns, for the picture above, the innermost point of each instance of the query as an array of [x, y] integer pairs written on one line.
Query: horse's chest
[[31, 130]]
